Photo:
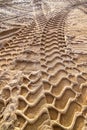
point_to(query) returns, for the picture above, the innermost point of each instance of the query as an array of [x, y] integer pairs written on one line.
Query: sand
[[43, 65]]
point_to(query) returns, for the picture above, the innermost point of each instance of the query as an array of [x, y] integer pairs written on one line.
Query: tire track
[[61, 76], [27, 105]]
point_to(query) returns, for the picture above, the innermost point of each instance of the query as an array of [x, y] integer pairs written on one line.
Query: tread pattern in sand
[[42, 81]]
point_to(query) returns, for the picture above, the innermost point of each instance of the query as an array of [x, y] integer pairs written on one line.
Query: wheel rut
[[62, 74]]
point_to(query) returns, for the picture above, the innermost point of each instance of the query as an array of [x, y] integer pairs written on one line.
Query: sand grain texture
[[43, 65]]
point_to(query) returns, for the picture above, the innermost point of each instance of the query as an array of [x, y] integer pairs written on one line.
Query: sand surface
[[43, 65]]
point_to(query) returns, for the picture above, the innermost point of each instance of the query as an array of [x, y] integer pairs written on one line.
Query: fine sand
[[43, 65]]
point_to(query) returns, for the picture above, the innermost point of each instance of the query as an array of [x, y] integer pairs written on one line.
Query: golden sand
[[43, 65]]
